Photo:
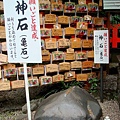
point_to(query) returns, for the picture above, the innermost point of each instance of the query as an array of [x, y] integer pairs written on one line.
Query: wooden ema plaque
[[70, 50], [87, 17], [2, 20], [76, 64], [42, 0], [4, 85], [57, 6], [90, 54], [21, 70], [57, 32], [100, 3], [1, 5], [44, 80], [81, 55], [69, 31], [69, 76], [92, 7], [39, 69], [75, 19], [69, 7], [87, 43], [57, 26], [44, 5], [69, 56], [59, 1], [87, 64], [41, 19], [18, 84], [9, 66], [63, 19], [81, 1], [81, 77], [45, 55], [58, 78], [3, 58], [50, 68], [91, 75], [33, 81], [2, 29], [90, 22], [81, 8], [10, 72], [57, 55], [64, 66], [81, 32], [98, 21], [82, 25], [4, 46], [2, 32], [75, 43], [50, 18], [63, 43], [90, 32], [45, 32], [51, 43]]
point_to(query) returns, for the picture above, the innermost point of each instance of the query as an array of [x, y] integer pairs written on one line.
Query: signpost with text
[[101, 53], [23, 35]]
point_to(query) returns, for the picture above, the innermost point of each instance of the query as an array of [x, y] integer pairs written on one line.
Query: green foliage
[[66, 85], [115, 19], [93, 85]]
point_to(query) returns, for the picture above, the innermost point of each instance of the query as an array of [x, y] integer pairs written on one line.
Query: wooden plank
[[3, 58], [17, 84], [4, 85]]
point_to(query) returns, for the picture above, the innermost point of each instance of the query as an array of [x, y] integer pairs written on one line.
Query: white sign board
[[22, 31], [101, 46], [111, 5]]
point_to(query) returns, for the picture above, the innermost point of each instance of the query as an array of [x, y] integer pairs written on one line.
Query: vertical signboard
[[101, 47], [23, 35], [22, 31]]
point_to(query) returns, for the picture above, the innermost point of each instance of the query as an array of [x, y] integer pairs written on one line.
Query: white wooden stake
[[27, 91]]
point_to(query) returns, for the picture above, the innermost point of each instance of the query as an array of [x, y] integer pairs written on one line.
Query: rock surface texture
[[72, 104], [119, 86], [110, 83]]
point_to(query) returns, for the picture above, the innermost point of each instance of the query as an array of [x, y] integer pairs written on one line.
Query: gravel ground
[[110, 108]]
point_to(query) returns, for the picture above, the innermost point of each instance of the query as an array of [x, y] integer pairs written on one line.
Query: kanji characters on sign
[[22, 25], [101, 46], [33, 25], [22, 31]]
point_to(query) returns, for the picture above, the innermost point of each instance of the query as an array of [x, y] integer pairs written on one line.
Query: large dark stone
[[72, 104], [33, 106]]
